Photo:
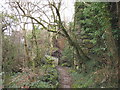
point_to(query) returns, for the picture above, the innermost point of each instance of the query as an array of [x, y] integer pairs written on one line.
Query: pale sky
[[66, 15], [69, 11]]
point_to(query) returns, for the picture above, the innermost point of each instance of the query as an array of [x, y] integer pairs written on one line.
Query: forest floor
[[65, 79]]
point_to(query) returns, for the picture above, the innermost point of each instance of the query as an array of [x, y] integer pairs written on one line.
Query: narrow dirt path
[[64, 77]]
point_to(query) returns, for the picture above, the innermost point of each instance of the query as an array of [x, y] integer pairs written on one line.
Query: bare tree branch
[[45, 26], [20, 8]]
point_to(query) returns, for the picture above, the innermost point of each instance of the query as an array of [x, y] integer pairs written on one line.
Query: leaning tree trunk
[[80, 54], [0, 52]]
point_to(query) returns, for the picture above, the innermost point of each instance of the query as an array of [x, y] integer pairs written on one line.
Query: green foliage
[[91, 21], [10, 54], [48, 80], [65, 64], [80, 80], [67, 56], [49, 59], [116, 33], [40, 84], [12, 79], [92, 18], [38, 44], [94, 79]]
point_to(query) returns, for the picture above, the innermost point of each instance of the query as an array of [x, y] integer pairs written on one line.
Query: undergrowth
[[48, 79], [80, 80], [97, 77]]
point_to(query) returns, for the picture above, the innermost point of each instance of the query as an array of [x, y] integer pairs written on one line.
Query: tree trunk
[[80, 54], [25, 46], [112, 48], [34, 36], [1, 53]]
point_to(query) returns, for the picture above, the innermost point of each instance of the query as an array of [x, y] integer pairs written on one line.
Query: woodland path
[[65, 79]]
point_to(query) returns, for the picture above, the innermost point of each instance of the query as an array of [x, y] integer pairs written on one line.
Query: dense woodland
[[37, 44]]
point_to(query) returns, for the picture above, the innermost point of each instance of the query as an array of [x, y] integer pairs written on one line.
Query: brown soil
[[64, 77]]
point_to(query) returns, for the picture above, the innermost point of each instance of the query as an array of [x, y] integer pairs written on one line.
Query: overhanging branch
[[57, 32], [45, 26]]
